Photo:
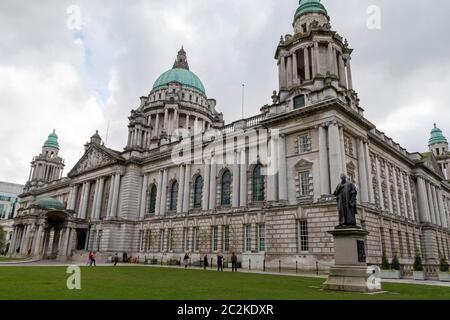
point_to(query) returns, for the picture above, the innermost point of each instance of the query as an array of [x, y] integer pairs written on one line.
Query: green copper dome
[[310, 6], [182, 76], [52, 141], [437, 136], [49, 204]]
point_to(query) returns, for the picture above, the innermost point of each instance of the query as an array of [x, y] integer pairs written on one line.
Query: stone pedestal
[[350, 272]]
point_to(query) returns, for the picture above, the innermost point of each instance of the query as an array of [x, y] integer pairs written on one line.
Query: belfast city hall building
[[261, 187]]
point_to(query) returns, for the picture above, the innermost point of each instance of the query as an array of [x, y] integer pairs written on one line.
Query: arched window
[[258, 184], [173, 196], [198, 186], [226, 188], [152, 200]]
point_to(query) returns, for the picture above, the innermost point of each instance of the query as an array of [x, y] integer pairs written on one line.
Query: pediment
[[94, 158], [303, 164], [432, 164]]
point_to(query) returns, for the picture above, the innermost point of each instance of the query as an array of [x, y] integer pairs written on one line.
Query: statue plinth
[[350, 272]]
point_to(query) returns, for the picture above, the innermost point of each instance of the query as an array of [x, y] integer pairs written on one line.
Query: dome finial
[[181, 61]]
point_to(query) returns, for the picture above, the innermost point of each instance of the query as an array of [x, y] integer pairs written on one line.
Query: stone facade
[[143, 203]]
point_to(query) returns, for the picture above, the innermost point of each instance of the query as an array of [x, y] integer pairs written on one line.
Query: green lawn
[[8, 259], [178, 284]]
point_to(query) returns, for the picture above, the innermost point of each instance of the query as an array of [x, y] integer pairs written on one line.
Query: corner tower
[[47, 166], [438, 144], [314, 62]]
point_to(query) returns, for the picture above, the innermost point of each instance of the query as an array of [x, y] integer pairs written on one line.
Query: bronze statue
[[346, 200]]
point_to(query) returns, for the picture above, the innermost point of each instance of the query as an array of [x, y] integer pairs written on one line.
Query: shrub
[[385, 263], [395, 265], [443, 265], [418, 264]]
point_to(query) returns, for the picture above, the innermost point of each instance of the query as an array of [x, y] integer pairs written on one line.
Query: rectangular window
[[226, 238], [304, 143], [215, 238], [303, 240], [169, 239], [400, 243], [247, 237], [304, 183], [391, 236], [408, 245], [262, 237], [161, 240]]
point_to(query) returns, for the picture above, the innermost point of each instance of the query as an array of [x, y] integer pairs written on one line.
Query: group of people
[[220, 261]]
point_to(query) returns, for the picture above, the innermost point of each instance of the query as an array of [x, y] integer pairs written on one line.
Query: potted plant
[[390, 271], [444, 275], [418, 273]]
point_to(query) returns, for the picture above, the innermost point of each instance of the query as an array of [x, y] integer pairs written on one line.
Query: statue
[[346, 200]]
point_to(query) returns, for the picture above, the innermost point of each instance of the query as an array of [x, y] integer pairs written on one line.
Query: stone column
[[23, 243], [166, 119], [342, 147], [187, 191], [424, 211], [323, 161], [84, 206], [81, 201], [11, 250], [282, 174], [115, 198], [441, 207], [156, 127], [289, 71], [143, 197], [334, 154], [362, 172], [370, 190], [98, 203], [388, 184], [65, 241], [380, 187], [436, 205], [158, 194], [430, 203], [111, 191], [37, 241], [236, 177], [402, 188], [349, 75], [163, 205], [410, 198], [330, 58], [196, 130], [295, 69], [94, 202], [307, 71], [272, 172], [243, 179], [205, 198], [317, 58], [397, 199], [213, 185], [342, 77], [314, 58], [181, 190]]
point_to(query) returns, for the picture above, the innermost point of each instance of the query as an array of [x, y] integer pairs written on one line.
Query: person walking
[[116, 259], [92, 259], [219, 262], [205, 262], [233, 262], [186, 260], [89, 261]]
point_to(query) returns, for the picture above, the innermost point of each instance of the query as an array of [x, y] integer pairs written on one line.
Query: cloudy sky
[[53, 76]]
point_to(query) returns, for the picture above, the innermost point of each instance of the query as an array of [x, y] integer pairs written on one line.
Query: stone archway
[[55, 236]]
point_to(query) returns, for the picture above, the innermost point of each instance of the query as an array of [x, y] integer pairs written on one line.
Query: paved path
[[46, 263]]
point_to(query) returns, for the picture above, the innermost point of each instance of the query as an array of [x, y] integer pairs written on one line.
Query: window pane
[[198, 192], [174, 196], [262, 237], [226, 188], [304, 183], [258, 184], [303, 235], [152, 201]]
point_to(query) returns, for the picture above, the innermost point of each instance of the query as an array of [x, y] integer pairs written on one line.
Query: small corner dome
[[180, 73], [310, 6], [52, 141], [49, 204], [437, 136]]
